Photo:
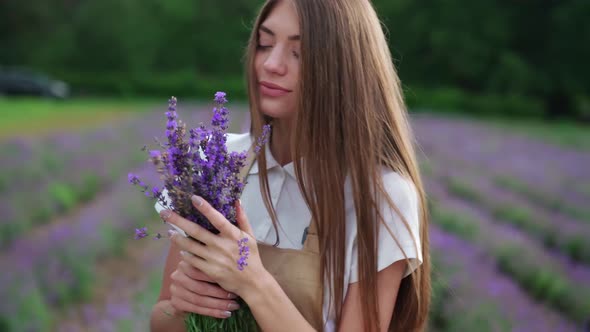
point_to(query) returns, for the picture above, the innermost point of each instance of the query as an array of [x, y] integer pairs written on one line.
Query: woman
[[340, 196]]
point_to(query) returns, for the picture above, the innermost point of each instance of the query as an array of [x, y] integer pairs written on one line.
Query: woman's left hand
[[218, 256]]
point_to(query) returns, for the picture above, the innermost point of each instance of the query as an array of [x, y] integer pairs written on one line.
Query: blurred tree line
[[485, 56]]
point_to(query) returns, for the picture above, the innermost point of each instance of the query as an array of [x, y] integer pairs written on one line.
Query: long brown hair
[[351, 112]]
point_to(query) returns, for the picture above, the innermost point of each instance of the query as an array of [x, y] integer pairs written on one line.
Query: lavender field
[[510, 231]]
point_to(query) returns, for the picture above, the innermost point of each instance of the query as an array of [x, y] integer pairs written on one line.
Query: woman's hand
[[191, 291], [218, 255]]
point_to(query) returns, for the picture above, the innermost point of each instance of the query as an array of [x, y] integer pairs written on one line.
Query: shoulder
[[238, 142], [402, 218], [399, 228], [400, 189], [403, 194]]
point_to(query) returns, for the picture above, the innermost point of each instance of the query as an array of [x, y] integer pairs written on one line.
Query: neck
[[280, 145]]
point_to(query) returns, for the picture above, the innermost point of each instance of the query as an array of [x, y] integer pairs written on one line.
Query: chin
[[276, 109]]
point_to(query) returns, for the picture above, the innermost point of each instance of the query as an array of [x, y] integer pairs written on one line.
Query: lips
[[272, 90], [273, 86]]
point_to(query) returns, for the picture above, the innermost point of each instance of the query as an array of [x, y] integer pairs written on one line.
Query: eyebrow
[[269, 31]]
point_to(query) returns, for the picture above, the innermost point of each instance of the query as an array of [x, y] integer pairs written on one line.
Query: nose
[[275, 62]]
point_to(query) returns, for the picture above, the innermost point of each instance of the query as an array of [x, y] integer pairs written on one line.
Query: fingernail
[[183, 253], [171, 233], [240, 202], [165, 214], [231, 296], [226, 313], [233, 306], [197, 200]]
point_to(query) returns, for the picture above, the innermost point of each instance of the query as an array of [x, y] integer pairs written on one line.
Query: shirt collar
[[272, 163]]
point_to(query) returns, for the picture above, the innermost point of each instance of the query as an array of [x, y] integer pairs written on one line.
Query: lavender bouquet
[[201, 166]]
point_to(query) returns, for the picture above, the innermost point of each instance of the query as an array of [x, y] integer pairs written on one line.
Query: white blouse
[[294, 216]]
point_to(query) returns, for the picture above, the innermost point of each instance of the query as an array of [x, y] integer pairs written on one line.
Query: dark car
[[24, 82]]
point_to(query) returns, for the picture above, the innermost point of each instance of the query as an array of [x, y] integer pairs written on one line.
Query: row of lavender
[[471, 294], [55, 268], [130, 301], [54, 175], [131, 295], [536, 242], [478, 283], [65, 170], [50, 268], [547, 175]]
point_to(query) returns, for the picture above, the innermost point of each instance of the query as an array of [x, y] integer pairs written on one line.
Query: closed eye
[[265, 47]]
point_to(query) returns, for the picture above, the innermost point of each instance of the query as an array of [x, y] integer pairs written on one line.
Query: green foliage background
[[488, 56]]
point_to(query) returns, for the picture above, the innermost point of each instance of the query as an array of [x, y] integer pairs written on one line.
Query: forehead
[[283, 19]]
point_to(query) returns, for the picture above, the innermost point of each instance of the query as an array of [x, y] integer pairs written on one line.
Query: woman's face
[[277, 61]]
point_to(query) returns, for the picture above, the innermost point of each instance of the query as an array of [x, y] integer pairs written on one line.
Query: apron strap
[[310, 243]]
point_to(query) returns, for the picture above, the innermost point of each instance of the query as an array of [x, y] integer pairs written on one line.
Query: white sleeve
[[403, 194], [159, 207]]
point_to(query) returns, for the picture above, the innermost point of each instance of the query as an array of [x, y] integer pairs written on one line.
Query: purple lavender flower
[[244, 253], [155, 154], [200, 166], [220, 97], [132, 178], [140, 233], [156, 192], [262, 139]]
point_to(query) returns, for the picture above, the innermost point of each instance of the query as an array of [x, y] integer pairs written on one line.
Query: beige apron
[[296, 271]]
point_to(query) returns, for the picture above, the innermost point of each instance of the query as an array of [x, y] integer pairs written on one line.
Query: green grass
[[29, 116], [455, 223], [542, 198], [26, 116]]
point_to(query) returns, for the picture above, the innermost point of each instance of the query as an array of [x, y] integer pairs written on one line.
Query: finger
[[183, 305], [202, 283], [242, 219], [192, 272], [191, 228], [215, 217], [196, 292], [191, 246], [195, 261], [209, 287]]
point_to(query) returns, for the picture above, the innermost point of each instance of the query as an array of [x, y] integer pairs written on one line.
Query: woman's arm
[[216, 254], [164, 316], [274, 311], [388, 282], [272, 308]]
